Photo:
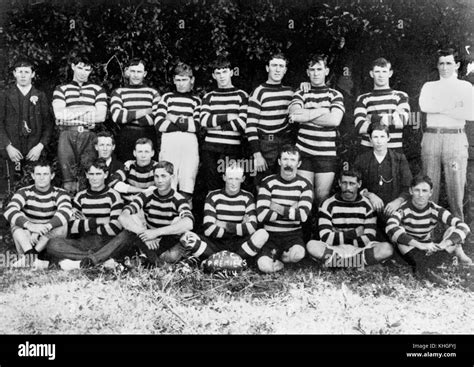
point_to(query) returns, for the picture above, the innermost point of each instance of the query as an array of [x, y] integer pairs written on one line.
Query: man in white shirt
[[447, 103]]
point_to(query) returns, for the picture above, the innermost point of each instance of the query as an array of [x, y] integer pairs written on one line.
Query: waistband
[[434, 130], [79, 128], [271, 137]]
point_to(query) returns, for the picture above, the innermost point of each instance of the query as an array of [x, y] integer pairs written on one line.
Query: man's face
[[104, 147], [289, 163], [42, 177], [276, 70], [447, 66], [163, 180], [81, 72], [223, 77], [317, 74], [381, 75], [183, 83], [421, 195], [233, 179], [136, 74], [143, 154], [23, 75], [379, 140], [96, 178], [349, 187]]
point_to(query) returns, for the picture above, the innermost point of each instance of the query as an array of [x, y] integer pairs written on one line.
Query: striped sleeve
[[264, 213], [253, 116], [211, 229], [101, 97], [113, 226], [297, 100], [245, 229], [138, 203], [162, 124], [301, 211], [64, 209], [395, 229], [461, 230], [13, 213], [120, 115], [361, 121]]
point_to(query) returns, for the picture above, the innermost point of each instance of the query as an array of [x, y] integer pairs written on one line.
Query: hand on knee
[[259, 238], [294, 254], [268, 265]]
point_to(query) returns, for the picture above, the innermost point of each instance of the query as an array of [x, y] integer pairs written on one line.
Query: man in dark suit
[[25, 120]]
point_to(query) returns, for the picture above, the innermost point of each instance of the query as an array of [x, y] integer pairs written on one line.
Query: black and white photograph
[[234, 169]]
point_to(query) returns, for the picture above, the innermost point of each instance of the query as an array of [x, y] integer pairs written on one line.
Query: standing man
[[382, 104], [94, 224], [134, 109], [178, 121], [283, 204], [318, 112], [25, 121], [79, 107], [411, 229], [267, 121], [347, 228], [105, 147], [448, 103], [224, 116], [37, 213]]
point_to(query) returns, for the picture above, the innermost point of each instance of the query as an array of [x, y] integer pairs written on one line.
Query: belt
[[80, 128], [271, 137], [443, 131]]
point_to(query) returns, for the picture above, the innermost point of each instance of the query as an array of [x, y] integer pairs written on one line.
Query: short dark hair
[[144, 141], [290, 148], [378, 126], [317, 58], [24, 63], [104, 134], [168, 166], [77, 59], [382, 62], [183, 69], [278, 55], [98, 163], [221, 62], [137, 61], [351, 173], [447, 52], [42, 162], [418, 179]]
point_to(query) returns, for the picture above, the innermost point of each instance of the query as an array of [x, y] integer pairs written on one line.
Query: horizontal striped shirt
[[29, 204], [295, 195], [338, 220], [409, 223], [126, 100], [216, 105], [75, 95], [267, 112], [178, 104], [313, 139], [231, 209], [102, 210], [134, 175], [381, 101], [160, 211]]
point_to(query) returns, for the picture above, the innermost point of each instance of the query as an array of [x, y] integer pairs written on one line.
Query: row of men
[[98, 225], [229, 114]]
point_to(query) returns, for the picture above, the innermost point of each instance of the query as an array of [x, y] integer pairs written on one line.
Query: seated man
[[167, 215], [284, 202], [105, 146], [136, 176], [411, 229], [230, 221], [94, 224], [37, 213], [347, 227], [386, 176]]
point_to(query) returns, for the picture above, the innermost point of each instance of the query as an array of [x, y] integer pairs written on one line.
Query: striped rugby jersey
[[231, 209], [215, 107], [125, 100], [76, 95], [98, 206], [338, 220], [134, 175], [178, 104], [409, 223], [267, 112], [160, 210], [296, 195], [376, 102], [313, 139], [29, 204]]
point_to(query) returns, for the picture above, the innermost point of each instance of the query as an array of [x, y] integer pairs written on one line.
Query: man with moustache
[[134, 108], [347, 228], [283, 204]]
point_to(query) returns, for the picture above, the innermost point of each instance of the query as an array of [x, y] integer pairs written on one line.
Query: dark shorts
[[318, 164], [232, 244], [279, 242], [418, 259]]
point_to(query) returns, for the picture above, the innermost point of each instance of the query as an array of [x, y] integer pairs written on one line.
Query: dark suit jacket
[[40, 120]]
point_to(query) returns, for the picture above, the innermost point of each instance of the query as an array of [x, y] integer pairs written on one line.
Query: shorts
[[232, 244], [279, 242], [318, 164]]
